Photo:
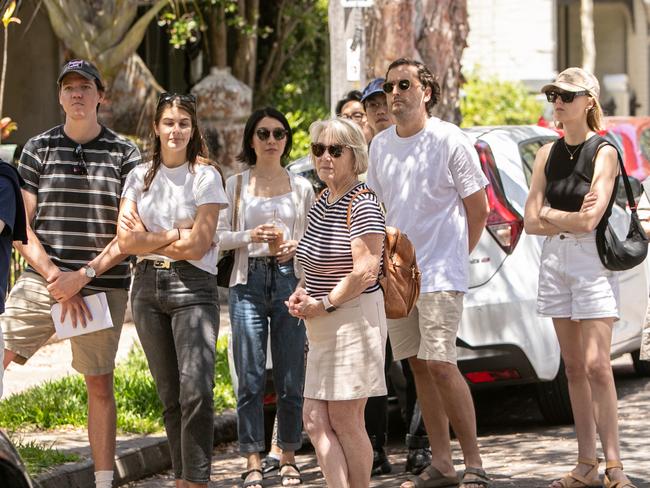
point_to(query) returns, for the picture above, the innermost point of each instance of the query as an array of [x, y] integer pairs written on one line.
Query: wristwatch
[[329, 308], [89, 271]]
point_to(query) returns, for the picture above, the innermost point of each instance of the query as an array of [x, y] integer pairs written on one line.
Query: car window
[[528, 150]]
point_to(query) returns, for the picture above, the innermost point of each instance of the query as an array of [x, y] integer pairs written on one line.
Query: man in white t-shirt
[[427, 174]]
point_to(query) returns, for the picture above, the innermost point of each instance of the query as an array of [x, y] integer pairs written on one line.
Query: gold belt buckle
[[164, 264]]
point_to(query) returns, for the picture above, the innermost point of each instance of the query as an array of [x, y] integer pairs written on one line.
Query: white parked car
[[502, 341]]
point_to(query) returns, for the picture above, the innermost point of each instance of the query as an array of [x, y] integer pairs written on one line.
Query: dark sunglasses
[[335, 150], [169, 96], [566, 97], [403, 85], [278, 133], [80, 169]]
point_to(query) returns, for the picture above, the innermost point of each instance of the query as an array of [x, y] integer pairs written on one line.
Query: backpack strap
[[360, 192]]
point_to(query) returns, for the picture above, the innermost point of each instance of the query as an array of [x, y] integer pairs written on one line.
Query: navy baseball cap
[[83, 68], [374, 87]]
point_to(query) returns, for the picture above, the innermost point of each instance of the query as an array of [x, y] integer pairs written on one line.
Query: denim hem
[[289, 446], [252, 447], [201, 481]]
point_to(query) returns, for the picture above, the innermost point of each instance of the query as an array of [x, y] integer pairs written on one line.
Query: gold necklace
[[572, 154]]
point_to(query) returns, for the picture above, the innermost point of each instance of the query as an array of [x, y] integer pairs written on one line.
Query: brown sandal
[[574, 480], [615, 484]]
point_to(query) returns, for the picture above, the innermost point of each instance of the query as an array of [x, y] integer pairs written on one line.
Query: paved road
[[518, 449]]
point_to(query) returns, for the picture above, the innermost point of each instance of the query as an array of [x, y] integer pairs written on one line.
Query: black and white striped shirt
[[325, 252], [76, 214]]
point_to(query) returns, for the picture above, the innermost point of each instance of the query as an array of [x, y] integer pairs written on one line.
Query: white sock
[[104, 479]]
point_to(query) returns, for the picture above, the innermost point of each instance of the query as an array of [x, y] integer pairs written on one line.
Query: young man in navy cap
[[74, 175]]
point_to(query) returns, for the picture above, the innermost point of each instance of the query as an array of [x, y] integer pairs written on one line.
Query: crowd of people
[[306, 274]]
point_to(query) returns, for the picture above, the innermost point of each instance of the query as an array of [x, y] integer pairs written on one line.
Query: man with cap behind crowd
[[74, 175]]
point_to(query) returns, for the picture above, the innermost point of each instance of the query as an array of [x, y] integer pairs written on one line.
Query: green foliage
[[497, 102], [63, 402], [39, 456]]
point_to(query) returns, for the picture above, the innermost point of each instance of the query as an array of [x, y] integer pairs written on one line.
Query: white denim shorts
[[573, 283]]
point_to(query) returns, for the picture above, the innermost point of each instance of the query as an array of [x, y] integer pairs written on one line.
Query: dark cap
[[83, 68], [374, 87]]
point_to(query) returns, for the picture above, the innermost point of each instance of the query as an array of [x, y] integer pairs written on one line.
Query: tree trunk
[[245, 57], [218, 37], [587, 32], [440, 44], [391, 34]]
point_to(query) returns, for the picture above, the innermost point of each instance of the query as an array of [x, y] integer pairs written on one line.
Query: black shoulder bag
[[227, 261], [615, 254]]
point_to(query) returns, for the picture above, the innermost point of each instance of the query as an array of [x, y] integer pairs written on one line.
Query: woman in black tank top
[[571, 192]]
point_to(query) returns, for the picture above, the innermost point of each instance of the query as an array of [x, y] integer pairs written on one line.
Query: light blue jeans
[[257, 310]]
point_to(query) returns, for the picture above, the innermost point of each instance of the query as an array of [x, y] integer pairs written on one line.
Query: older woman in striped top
[[342, 305]]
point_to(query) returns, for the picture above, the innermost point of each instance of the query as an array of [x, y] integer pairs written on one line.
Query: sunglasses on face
[[566, 97], [278, 133], [403, 85], [335, 150], [80, 169], [169, 96]]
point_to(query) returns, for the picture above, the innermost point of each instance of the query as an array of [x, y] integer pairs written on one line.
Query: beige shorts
[[27, 325], [429, 332]]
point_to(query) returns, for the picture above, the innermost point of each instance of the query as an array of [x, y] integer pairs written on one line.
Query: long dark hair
[[195, 148], [247, 154]]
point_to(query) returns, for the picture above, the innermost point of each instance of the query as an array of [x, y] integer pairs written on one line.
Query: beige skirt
[[347, 351]]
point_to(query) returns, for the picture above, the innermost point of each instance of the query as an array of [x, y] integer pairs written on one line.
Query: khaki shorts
[[27, 325], [429, 332]]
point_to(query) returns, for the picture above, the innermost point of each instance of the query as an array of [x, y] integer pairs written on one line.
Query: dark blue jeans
[[257, 310], [176, 313]]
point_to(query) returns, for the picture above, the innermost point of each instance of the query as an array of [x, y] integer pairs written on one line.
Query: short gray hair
[[343, 132]]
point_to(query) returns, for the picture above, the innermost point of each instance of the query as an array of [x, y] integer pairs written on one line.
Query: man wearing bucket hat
[[74, 175], [570, 196]]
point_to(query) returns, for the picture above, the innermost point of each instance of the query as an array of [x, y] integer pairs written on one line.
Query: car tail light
[[492, 376], [503, 222]]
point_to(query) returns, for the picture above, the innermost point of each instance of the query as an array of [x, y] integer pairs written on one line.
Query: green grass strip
[[63, 402], [39, 456]]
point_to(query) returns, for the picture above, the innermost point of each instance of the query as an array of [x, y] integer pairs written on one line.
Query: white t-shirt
[[173, 199], [279, 209], [422, 180]]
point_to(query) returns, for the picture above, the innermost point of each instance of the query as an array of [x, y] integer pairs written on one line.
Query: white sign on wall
[[356, 3], [353, 61]]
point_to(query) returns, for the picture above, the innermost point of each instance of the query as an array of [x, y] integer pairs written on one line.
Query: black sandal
[[270, 464], [475, 476], [247, 484], [287, 477]]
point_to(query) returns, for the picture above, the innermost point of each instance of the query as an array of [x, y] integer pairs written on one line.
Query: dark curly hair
[[247, 154], [425, 76]]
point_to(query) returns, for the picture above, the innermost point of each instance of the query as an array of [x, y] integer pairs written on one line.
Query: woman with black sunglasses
[[571, 194], [265, 221], [342, 304], [168, 218]]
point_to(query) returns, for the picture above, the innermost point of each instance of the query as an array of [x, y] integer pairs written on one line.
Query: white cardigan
[[303, 196]]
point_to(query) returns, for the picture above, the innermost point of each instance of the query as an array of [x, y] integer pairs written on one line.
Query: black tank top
[[569, 180]]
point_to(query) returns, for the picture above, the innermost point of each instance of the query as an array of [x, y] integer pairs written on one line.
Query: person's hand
[[263, 233], [589, 202], [67, 284], [543, 212], [131, 221], [77, 309], [293, 302], [311, 307], [287, 251], [185, 233]]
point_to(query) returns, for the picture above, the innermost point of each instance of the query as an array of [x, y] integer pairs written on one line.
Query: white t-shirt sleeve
[[208, 187], [134, 185], [465, 168], [371, 176]]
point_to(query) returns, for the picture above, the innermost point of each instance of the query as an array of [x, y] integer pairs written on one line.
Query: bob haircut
[[247, 154], [345, 132]]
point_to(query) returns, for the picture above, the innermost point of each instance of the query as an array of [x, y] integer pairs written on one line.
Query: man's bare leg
[[101, 420]]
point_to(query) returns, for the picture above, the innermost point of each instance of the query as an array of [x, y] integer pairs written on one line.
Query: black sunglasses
[[566, 97], [335, 150], [80, 169], [403, 85], [278, 133], [169, 96]]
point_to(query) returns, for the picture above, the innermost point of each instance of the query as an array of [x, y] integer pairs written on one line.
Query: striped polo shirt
[[325, 251], [77, 213]]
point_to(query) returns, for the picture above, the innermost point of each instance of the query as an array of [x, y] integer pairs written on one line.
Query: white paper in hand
[[98, 306]]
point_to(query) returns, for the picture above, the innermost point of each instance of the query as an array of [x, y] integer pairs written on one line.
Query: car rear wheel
[[642, 368], [553, 399]]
